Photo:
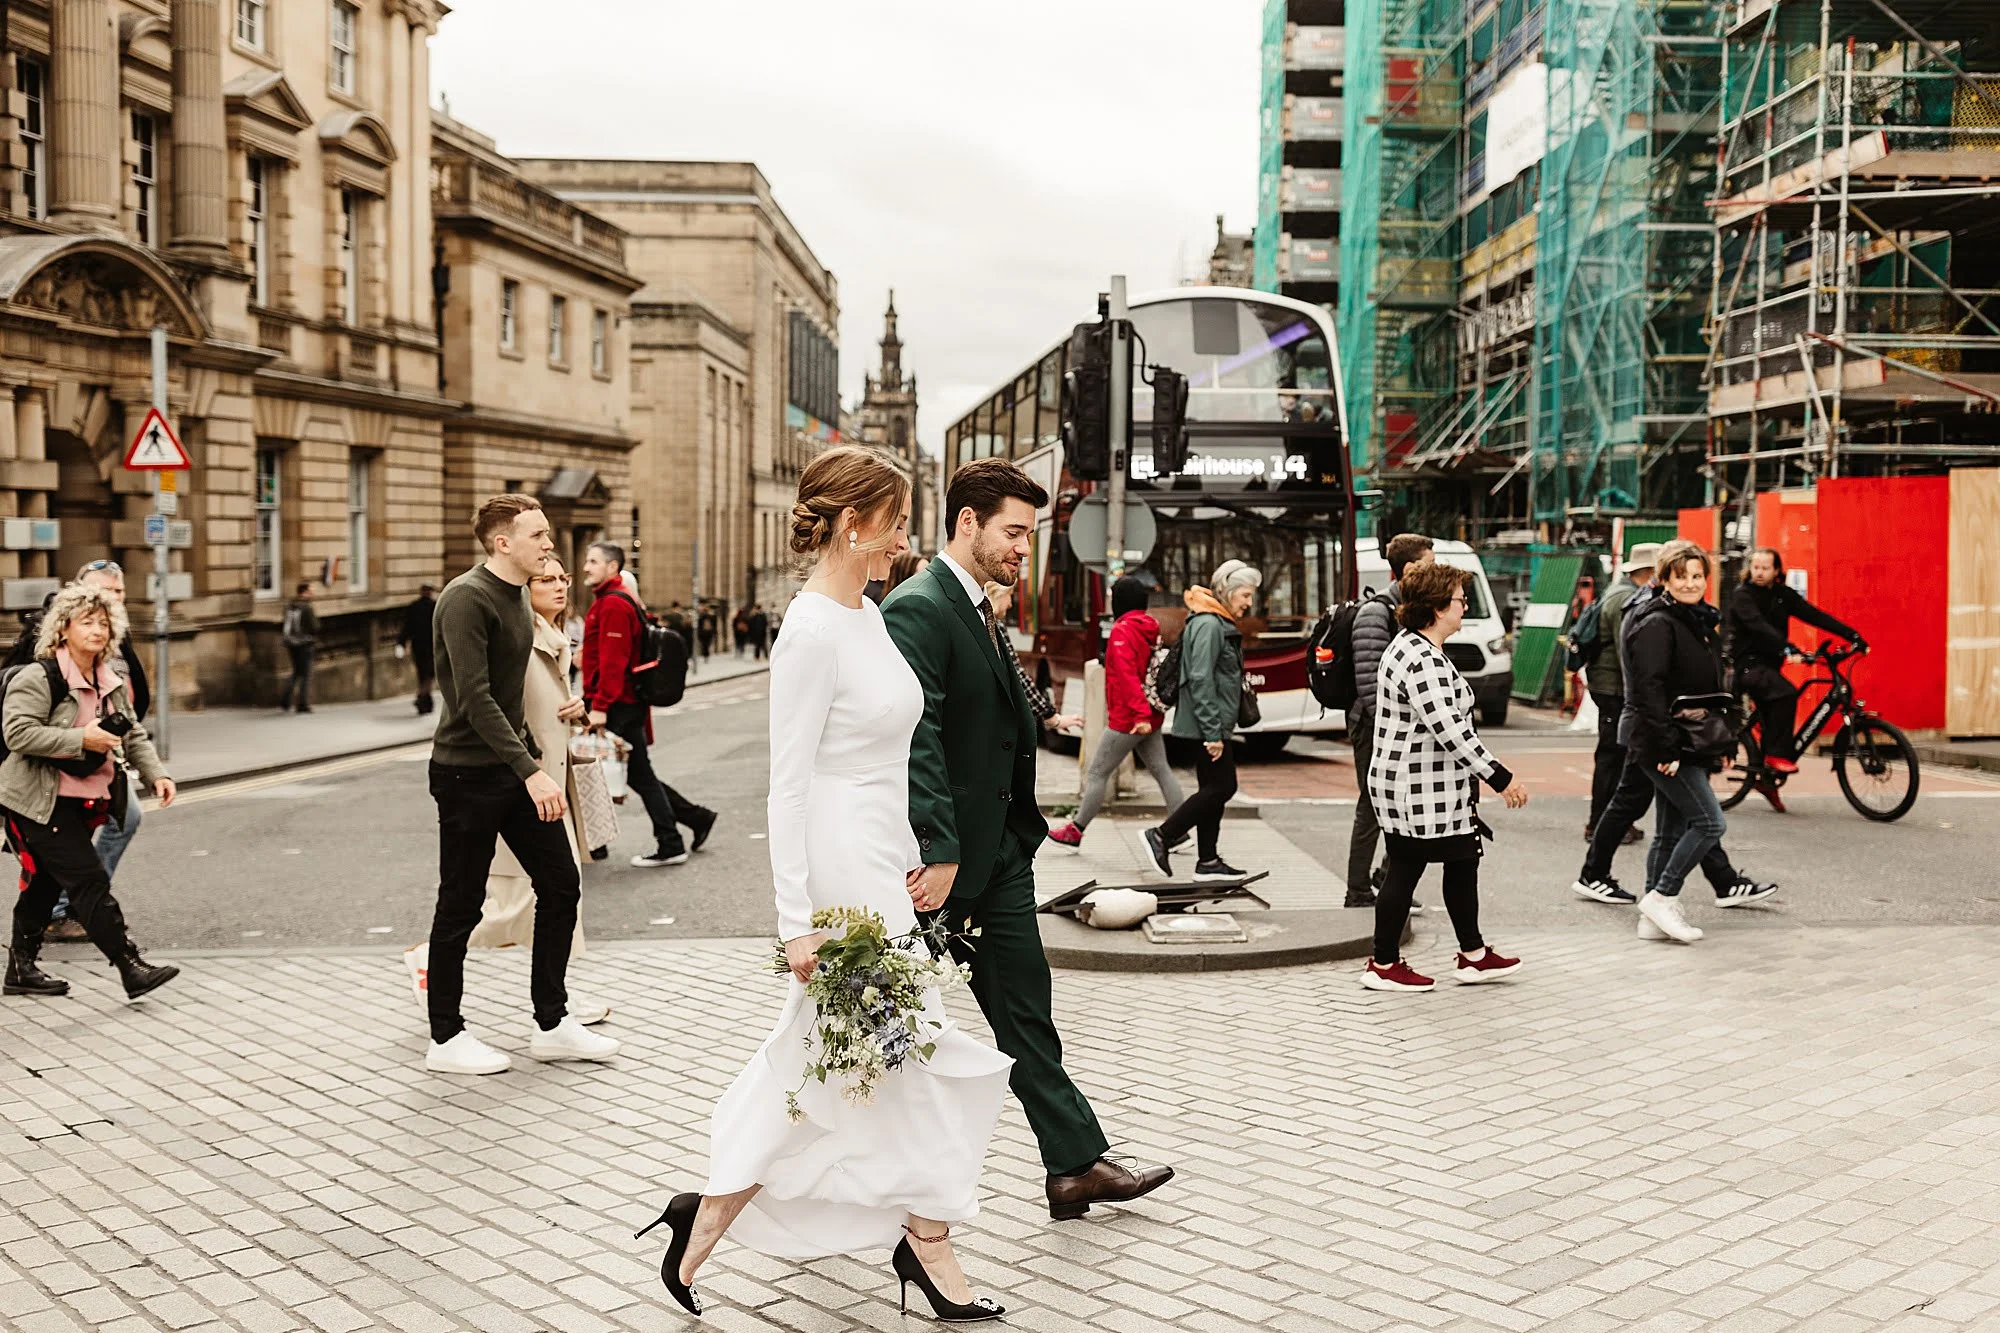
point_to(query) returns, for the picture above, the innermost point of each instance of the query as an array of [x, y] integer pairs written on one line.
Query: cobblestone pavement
[[1630, 1136]]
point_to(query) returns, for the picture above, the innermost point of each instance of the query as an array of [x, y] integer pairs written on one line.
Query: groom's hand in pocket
[[931, 885]]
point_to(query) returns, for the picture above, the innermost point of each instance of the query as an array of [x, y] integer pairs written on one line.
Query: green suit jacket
[[972, 757]]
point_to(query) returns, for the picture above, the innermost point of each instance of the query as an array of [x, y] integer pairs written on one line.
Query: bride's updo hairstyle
[[848, 476]]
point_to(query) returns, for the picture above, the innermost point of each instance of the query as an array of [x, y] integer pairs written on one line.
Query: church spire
[[892, 347]]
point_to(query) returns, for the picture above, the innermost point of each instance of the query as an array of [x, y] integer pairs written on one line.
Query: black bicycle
[[1872, 758]]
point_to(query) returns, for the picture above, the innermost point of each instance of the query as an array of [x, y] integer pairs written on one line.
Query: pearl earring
[[852, 539]]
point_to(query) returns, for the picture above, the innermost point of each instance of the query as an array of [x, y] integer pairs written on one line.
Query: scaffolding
[[1625, 257], [1399, 225], [1855, 308]]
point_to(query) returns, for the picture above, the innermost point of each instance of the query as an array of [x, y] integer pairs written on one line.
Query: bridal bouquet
[[869, 988]]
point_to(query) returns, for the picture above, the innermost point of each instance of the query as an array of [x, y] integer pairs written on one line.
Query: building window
[[344, 16], [146, 178], [350, 252], [558, 330], [510, 309], [600, 343], [264, 572], [260, 231], [34, 81], [250, 23], [357, 523]]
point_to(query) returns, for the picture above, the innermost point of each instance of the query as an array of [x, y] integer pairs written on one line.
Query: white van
[[1482, 650]]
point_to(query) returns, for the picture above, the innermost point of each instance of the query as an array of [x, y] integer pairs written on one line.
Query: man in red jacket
[[1132, 724], [611, 630]]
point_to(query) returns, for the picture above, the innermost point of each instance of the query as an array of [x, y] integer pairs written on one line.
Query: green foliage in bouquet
[[869, 989]]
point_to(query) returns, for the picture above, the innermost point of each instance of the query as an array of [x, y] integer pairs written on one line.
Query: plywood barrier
[[1972, 633]]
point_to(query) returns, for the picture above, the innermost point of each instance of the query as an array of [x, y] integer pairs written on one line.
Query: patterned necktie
[[992, 626]]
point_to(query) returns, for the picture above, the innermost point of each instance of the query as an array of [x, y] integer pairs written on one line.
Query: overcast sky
[[994, 163]]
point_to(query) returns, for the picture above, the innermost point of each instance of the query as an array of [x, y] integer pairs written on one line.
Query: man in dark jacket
[[415, 639], [1374, 628], [611, 630], [1760, 634], [300, 631], [1605, 677]]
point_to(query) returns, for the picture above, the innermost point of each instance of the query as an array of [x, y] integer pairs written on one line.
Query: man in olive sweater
[[487, 780]]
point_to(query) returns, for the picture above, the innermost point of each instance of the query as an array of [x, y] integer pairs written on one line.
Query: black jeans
[[477, 805], [1366, 833], [1215, 784], [300, 685], [426, 678], [59, 857], [1399, 888], [1777, 708], [1628, 805], [664, 806], [1608, 764]]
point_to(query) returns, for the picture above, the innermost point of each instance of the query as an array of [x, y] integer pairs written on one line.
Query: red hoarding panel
[[1703, 527], [1882, 571]]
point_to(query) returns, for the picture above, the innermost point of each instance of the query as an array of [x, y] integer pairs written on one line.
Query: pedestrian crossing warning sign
[[156, 448]]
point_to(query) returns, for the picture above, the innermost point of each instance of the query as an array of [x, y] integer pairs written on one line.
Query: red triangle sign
[[156, 448]]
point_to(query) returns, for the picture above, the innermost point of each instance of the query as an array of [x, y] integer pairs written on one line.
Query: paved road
[[1629, 1136], [343, 854]]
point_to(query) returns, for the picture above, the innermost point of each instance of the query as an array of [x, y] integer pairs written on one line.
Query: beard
[[993, 560]]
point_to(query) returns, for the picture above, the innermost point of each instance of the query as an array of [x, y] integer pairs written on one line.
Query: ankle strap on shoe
[[928, 1240]]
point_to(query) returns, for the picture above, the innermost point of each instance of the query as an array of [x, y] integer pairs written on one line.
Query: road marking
[[380, 930]]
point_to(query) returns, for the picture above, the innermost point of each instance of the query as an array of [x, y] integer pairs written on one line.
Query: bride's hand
[[802, 954]]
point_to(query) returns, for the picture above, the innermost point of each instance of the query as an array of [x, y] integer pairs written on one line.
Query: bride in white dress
[[846, 1178]]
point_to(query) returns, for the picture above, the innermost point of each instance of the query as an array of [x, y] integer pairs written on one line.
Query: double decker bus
[[1266, 481]]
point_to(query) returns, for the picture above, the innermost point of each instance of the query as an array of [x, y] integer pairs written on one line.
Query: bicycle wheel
[[1877, 768], [1736, 783]]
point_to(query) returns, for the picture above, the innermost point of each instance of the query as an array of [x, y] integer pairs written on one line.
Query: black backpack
[[1330, 654], [58, 691], [1586, 637], [659, 669], [1163, 675]]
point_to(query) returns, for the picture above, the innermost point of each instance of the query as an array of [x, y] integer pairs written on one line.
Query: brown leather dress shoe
[[1105, 1182]]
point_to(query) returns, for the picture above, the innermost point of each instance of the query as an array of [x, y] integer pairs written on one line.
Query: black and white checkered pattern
[[1424, 780]]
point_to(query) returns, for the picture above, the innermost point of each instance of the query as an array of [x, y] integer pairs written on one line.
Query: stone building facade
[[534, 315], [256, 176], [732, 294]]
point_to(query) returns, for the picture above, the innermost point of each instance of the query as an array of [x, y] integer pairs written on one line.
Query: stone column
[[31, 425], [201, 149], [84, 121]]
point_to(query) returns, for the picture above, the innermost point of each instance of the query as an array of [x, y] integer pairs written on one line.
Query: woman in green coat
[[1211, 692]]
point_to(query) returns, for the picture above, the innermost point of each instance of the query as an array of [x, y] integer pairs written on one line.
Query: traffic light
[[1086, 403], [1170, 403]]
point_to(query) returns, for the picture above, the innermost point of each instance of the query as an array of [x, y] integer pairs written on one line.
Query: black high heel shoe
[[910, 1269], [679, 1218]]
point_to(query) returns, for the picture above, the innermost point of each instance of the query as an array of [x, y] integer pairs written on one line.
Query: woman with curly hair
[[63, 717], [1424, 782]]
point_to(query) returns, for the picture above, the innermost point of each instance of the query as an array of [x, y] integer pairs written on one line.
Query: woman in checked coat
[[1424, 782]]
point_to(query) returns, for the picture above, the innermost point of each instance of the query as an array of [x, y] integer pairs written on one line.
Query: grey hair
[[79, 599], [1233, 574]]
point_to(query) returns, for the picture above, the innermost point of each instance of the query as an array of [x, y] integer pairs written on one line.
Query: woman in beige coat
[[508, 918]]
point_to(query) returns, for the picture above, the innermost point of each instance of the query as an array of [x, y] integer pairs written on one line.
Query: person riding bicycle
[[1760, 634]]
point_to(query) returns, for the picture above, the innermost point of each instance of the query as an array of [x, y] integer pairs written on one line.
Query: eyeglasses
[[561, 580], [1460, 600]]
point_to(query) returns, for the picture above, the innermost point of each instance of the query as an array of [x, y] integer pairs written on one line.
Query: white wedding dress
[[843, 1180]]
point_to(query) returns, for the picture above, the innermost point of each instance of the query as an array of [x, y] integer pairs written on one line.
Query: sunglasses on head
[[103, 567]]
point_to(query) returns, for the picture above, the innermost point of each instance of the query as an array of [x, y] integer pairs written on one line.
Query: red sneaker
[[1399, 975], [1785, 766], [1069, 835], [1491, 966], [1769, 790]]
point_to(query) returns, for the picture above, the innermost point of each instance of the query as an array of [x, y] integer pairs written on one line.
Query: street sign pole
[[1121, 427], [162, 682]]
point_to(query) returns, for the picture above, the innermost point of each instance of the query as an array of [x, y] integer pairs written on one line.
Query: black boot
[[24, 977], [141, 976]]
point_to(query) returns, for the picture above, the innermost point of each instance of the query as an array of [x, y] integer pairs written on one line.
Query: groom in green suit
[[972, 807]]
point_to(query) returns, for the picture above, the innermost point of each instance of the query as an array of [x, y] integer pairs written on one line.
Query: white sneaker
[[568, 1041], [417, 962], [466, 1054], [588, 1012], [1665, 913], [1649, 931], [650, 860]]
